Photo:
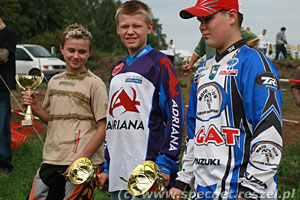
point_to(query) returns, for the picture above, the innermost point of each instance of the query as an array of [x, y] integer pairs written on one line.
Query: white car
[[31, 59]]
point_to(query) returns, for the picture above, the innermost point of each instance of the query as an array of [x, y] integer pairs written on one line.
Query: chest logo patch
[[121, 102], [213, 71], [211, 100]]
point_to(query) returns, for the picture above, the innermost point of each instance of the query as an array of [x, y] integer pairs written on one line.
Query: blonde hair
[[76, 31], [134, 7]]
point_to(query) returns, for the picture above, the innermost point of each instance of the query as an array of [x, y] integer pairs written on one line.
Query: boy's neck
[[235, 36]]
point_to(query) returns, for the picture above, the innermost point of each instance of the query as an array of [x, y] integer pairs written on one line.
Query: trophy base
[[28, 122]]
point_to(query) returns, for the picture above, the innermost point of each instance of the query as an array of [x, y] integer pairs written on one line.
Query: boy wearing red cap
[[234, 119]]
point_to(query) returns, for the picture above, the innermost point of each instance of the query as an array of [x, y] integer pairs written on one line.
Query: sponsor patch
[[231, 72], [117, 69], [134, 79], [231, 63], [213, 71], [211, 100], [267, 80], [199, 73], [266, 155]]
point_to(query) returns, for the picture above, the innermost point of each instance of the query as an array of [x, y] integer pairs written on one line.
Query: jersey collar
[[142, 52], [230, 49]]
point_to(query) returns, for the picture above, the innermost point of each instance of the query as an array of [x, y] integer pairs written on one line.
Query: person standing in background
[[171, 51], [263, 42], [8, 42], [203, 49], [280, 43]]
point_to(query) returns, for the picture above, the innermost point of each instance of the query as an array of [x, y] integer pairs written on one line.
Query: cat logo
[[123, 103]]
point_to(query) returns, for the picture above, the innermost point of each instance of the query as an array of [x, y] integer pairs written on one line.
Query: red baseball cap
[[205, 8]]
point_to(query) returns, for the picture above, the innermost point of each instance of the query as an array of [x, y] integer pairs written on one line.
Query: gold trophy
[[29, 83], [146, 177], [82, 171]]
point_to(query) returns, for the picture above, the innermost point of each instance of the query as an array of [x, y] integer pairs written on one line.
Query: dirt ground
[[291, 130]]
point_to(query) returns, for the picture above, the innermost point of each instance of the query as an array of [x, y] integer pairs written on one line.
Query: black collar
[[233, 47]]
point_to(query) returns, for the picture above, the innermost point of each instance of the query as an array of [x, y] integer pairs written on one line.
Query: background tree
[[42, 22]]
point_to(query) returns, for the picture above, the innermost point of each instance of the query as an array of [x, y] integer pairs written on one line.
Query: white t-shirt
[[262, 42], [171, 50]]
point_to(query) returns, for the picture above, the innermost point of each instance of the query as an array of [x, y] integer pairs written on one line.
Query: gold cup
[[146, 177], [82, 171], [29, 83]]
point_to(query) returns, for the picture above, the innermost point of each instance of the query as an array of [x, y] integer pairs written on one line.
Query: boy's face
[[76, 52], [133, 32], [216, 29]]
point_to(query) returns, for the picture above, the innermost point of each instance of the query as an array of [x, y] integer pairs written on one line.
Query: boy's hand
[[167, 178], [102, 179], [187, 67], [175, 193], [29, 100]]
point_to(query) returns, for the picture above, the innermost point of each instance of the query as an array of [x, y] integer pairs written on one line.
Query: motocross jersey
[[234, 124], [145, 116]]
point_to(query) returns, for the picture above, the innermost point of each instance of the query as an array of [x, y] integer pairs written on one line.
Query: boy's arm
[[171, 103], [262, 103]]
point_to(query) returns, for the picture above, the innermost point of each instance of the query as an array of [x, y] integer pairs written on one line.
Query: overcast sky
[[258, 14]]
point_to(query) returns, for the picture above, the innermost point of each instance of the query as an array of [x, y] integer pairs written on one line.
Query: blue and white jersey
[[145, 116], [234, 124]]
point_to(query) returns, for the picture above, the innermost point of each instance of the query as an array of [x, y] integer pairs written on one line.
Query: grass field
[[27, 158]]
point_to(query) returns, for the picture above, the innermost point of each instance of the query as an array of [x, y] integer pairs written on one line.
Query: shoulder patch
[[267, 80], [117, 69]]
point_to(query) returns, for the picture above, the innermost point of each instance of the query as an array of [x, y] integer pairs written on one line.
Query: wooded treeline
[[43, 21]]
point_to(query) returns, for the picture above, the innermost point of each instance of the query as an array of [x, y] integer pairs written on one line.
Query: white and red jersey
[[234, 124], [145, 116]]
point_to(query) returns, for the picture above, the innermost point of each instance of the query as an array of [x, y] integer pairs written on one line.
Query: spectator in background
[[202, 49], [295, 88], [262, 43], [8, 40], [280, 43], [171, 51]]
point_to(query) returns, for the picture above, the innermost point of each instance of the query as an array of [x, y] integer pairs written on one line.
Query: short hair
[[134, 7], [76, 31], [283, 28]]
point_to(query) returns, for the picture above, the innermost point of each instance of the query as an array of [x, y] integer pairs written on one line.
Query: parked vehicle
[[31, 59]]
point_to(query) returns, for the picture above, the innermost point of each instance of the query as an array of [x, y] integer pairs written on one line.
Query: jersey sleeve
[[186, 174], [171, 104], [262, 101]]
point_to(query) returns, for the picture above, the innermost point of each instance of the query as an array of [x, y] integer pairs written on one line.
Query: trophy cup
[[146, 177], [82, 171], [29, 83]]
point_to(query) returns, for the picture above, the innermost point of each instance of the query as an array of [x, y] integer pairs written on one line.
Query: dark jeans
[[280, 48], [5, 137], [171, 58]]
